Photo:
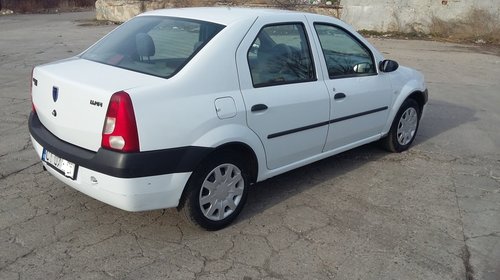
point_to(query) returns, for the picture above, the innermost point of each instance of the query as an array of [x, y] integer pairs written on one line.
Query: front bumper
[[426, 100]]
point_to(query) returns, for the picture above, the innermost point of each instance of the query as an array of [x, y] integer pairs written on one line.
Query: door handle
[[339, 96], [258, 107]]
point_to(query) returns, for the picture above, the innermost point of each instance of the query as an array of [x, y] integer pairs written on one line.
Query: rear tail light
[[120, 128]]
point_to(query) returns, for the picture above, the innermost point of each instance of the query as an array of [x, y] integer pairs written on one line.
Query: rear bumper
[[130, 194], [132, 182], [117, 164]]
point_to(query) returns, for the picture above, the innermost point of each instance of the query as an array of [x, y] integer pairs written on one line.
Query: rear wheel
[[404, 127], [216, 192]]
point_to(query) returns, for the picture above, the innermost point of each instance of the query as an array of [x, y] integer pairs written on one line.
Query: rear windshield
[[153, 45]]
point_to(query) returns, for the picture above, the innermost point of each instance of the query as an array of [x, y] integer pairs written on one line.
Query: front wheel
[[404, 127], [216, 192]]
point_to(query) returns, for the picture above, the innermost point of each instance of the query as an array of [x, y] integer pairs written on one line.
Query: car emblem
[[55, 93]]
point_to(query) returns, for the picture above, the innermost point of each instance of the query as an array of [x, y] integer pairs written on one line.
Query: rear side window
[[280, 54], [158, 46]]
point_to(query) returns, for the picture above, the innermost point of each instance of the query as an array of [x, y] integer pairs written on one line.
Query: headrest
[[144, 44]]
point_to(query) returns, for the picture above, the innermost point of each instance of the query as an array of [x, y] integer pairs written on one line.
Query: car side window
[[280, 54], [345, 56]]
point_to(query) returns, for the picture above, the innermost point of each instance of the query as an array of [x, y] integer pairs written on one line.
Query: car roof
[[220, 15]]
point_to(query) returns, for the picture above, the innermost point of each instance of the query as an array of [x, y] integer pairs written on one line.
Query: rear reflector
[[120, 128]]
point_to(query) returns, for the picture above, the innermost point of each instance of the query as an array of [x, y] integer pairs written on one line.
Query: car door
[[360, 97], [287, 107]]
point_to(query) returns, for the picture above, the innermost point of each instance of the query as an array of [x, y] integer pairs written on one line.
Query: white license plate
[[62, 166]]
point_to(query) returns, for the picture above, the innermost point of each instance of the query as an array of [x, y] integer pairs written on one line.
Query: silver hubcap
[[407, 126], [221, 192]]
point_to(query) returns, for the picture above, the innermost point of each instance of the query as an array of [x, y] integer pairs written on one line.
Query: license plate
[[62, 166]]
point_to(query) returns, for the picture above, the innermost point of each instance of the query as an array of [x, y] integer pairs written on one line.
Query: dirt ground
[[430, 213]]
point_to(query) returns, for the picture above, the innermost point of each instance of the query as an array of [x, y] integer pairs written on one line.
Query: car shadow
[[440, 116]]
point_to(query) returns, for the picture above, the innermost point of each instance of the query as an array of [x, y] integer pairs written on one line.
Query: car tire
[[403, 128], [216, 192]]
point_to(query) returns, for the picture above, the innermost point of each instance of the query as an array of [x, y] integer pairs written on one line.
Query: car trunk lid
[[71, 97]]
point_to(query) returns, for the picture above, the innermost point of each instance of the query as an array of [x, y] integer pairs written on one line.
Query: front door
[[360, 97]]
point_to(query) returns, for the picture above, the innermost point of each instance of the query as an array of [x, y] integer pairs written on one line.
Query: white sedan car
[[188, 107]]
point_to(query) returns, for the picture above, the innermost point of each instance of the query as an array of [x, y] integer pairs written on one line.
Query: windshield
[[154, 45]]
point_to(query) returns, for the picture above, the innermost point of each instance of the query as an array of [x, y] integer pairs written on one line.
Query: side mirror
[[362, 68], [388, 65], [254, 48]]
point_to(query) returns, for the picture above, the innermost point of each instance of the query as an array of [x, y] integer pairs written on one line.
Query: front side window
[[280, 54], [158, 46], [344, 55]]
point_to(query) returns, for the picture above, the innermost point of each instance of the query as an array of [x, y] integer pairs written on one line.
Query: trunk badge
[[55, 93]]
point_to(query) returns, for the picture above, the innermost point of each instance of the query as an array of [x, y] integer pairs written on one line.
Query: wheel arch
[[251, 163], [419, 95], [246, 152]]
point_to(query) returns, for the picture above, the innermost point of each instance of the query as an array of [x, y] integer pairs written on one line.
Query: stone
[[123, 10]]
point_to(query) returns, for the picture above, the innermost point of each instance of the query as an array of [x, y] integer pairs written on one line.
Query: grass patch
[[396, 35], [94, 22]]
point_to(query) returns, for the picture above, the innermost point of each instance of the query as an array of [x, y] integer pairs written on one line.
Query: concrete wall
[[410, 15], [375, 15], [122, 10]]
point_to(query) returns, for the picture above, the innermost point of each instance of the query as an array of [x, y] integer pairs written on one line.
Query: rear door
[[287, 107]]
